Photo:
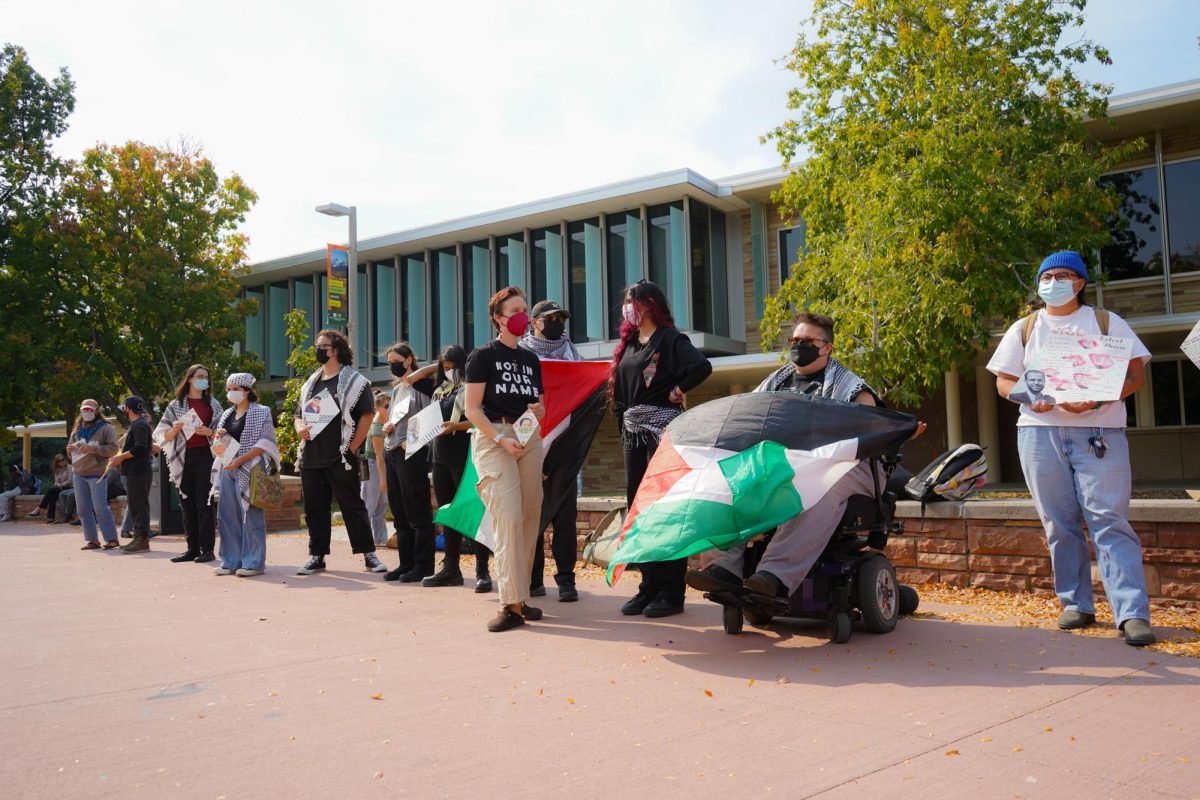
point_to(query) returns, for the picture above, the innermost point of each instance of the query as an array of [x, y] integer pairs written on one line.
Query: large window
[[304, 300], [443, 308], [476, 293], [385, 312], [664, 230], [1136, 250], [278, 346], [510, 261], [1183, 214], [791, 242], [587, 291], [710, 279], [254, 322], [1175, 386], [413, 302], [546, 265], [624, 237]]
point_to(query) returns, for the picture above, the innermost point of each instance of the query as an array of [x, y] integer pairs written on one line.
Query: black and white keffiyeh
[[560, 349], [839, 383], [644, 424], [350, 386], [259, 431], [176, 449]]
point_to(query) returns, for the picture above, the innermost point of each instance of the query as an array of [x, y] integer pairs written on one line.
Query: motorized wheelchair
[[851, 580]]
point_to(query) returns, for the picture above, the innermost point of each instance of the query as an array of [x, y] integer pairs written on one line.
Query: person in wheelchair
[[799, 542]]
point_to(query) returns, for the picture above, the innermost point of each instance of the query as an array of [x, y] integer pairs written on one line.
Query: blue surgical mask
[[1056, 293], [200, 383]]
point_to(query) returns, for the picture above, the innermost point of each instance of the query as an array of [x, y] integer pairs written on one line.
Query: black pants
[[194, 486], [50, 498], [564, 545], [323, 485], [412, 514], [446, 479], [660, 579], [137, 487]]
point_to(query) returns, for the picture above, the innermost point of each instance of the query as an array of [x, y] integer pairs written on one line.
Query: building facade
[[719, 248]]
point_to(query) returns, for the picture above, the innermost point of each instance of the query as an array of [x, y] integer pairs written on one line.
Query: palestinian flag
[[576, 399], [731, 469]]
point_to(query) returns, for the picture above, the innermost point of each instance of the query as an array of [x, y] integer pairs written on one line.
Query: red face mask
[[518, 323]]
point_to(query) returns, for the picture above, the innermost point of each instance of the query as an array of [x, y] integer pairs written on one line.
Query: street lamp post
[[336, 210]]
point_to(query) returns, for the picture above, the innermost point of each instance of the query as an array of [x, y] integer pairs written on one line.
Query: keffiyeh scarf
[[644, 424], [350, 387], [259, 431], [561, 349], [839, 384], [176, 449]]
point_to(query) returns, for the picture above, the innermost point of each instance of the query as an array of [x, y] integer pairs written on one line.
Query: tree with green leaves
[[937, 153], [33, 113], [148, 273], [303, 361]]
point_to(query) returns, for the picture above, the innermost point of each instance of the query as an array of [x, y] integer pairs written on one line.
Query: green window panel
[[415, 309], [385, 311], [447, 323], [554, 267], [306, 303], [363, 302], [277, 342], [323, 301], [595, 280], [254, 322], [758, 256], [480, 294], [677, 290]]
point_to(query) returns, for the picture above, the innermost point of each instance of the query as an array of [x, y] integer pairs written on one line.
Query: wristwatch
[[498, 437]]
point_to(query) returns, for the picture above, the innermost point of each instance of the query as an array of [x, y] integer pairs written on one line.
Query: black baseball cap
[[547, 307], [135, 404]]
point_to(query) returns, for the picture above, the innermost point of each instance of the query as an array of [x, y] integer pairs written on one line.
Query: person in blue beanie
[[1076, 458]]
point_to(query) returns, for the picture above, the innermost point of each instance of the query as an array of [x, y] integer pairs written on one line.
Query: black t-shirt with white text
[[326, 449], [513, 378]]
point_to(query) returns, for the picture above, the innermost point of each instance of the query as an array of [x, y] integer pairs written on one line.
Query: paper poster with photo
[[401, 403], [423, 428], [1191, 345], [319, 411], [226, 449], [191, 421], [77, 453], [1075, 368], [525, 426]]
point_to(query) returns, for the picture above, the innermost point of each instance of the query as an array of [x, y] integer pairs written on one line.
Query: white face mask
[[88, 416], [236, 396], [630, 313], [452, 375]]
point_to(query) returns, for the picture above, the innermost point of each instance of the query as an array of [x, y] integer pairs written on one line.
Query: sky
[[417, 113]]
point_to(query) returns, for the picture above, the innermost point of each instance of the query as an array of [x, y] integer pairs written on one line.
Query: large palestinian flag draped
[[733, 468], [576, 399]]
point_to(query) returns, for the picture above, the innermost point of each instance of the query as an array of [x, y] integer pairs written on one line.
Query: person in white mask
[[1076, 458]]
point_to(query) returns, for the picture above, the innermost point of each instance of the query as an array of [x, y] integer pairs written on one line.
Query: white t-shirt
[[1011, 358]]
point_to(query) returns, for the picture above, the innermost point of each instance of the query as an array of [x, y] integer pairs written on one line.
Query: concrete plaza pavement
[[127, 676]]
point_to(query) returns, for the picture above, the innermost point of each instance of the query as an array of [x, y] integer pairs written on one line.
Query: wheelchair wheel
[[837, 627], [731, 618], [909, 600], [878, 594]]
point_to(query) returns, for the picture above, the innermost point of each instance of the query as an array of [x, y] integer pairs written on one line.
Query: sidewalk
[[127, 676]]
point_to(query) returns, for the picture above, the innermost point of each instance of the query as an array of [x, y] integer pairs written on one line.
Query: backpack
[[1028, 322], [954, 475]]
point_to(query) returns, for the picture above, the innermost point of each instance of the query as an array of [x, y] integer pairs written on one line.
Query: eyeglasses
[[324, 347], [805, 340], [1058, 276]]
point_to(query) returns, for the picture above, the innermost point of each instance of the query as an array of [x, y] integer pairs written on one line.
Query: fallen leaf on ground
[[952, 753], [377, 697], [708, 692]]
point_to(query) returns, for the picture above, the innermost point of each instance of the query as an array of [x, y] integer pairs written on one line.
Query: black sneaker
[[505, 620], [714, 579], [206, 557], [373, 563], [315, 564], [444, 577], [764, 583], [537, 591], [567, 594], [412, 576], [394, 575], [660, 607], [636, 604], [483, 584], [190, 555]]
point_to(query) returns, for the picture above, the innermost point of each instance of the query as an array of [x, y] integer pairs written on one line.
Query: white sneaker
[[222, 571], [248, 573]]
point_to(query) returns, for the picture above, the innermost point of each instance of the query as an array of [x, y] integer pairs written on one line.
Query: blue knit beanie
[[1064, 259]]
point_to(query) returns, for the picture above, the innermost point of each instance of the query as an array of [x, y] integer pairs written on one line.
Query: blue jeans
[[243, 543], [376, 503], [1070, 486], [91, 503]]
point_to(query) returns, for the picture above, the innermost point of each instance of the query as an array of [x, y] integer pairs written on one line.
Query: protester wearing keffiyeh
[[259, 431]]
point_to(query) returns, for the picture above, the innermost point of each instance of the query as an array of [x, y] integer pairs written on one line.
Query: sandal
[[90, 546], [110, 545]]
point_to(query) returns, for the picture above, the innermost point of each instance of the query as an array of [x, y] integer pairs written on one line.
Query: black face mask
[[322, 355], [803, 354], [552, 329], [398, 369]]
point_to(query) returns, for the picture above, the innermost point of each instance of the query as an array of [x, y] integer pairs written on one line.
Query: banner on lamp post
[[337, 285]]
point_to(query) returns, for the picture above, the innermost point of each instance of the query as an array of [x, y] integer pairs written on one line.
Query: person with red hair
[[654, 365]]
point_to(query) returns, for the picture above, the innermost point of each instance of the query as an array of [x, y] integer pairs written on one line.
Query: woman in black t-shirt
[[653, 367], [503, 382]]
